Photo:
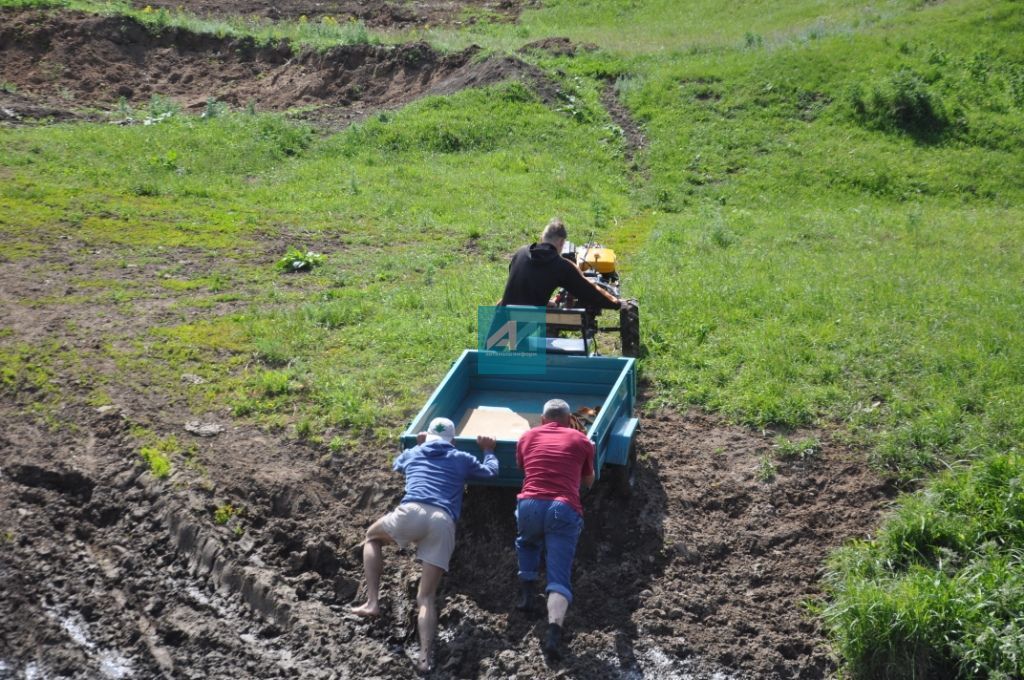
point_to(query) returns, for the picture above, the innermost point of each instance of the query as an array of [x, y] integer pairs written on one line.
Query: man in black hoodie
[[537, 270]]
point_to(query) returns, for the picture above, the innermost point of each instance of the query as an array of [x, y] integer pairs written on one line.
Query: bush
[[901, 103]]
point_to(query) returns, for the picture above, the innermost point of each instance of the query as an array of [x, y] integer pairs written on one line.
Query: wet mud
[[108, 572]]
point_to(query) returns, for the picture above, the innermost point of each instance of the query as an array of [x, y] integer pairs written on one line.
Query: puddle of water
[[654, 663], [112, 665]]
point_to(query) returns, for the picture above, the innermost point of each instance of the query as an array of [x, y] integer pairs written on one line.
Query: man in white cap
[[435, 474]]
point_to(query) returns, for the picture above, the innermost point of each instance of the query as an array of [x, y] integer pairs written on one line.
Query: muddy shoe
[[527, 597], [553, 643]]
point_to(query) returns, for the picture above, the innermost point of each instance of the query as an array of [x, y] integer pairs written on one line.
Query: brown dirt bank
[[374, 13], [62, 64]]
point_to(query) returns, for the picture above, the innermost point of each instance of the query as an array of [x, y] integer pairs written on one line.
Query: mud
[[76, 65], [373, 13], [107, 572]]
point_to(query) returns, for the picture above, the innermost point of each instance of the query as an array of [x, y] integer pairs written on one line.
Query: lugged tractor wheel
[[629, 329]]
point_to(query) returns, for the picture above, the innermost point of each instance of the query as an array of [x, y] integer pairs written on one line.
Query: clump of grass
[[902, 102], [939, 592], [223, 514], [157, 460], [796, 449], [296, 260], [766, 468], [214, 109], [276, 383]]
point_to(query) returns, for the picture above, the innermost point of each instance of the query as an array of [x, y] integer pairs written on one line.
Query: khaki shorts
[[428, 526]]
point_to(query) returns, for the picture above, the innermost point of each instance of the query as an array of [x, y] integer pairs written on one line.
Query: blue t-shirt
[[436, 472]]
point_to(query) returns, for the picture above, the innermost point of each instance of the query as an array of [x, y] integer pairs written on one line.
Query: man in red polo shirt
[[556, 460]]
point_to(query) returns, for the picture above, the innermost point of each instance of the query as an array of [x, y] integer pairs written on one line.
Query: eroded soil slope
[[374, 13], [67, 64]]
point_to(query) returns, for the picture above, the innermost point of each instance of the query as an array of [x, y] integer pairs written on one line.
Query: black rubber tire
[[629, 329], [622, 478]]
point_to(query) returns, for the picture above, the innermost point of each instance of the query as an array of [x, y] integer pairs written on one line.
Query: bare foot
[[366, 610], [422, 664]]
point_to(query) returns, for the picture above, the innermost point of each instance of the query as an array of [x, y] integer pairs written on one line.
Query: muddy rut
[[107, 572]]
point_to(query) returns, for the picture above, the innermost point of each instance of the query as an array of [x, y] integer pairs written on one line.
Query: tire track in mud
[[688, 580]]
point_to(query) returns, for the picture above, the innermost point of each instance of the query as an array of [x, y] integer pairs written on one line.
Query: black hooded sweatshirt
[[537, 270]]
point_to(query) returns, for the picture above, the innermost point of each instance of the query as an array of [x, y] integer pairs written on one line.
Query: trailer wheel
[[622, 478], [629, 329]]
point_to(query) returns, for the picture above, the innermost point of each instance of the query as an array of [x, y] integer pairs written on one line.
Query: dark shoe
[[527, 596], [552, 643]]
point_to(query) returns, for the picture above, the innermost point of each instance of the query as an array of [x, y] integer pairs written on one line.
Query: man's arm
[[588, 295], [587, 475], [402, 460], [520, 450], [407, 455], [487, 469]]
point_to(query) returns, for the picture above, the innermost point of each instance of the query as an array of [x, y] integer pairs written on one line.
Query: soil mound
[[65, 63], [373, 13], [557, 47]]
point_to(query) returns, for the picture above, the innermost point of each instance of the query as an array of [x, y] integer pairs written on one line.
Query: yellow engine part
[[600, 259]]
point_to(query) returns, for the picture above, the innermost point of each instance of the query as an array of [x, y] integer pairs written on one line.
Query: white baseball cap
[[441, 428]]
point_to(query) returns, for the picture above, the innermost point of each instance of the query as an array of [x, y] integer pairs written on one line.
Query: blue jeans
[[552, 528]]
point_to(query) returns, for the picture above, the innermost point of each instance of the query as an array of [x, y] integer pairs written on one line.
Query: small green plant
[[789, 449], [304, 428], [157, 451], [297, 261], [766, 469], [159, 464], [223, 514], [8, 87], [161, 108], [214, 109]]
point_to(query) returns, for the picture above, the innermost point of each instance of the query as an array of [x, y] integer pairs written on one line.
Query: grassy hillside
[[824, 229]]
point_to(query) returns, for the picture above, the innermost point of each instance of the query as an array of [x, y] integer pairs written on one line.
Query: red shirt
[[554, 459]]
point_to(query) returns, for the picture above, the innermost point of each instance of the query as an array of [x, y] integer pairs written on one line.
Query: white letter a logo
[[503, 337]]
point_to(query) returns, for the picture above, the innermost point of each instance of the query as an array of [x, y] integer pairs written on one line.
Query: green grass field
[[825, 229]]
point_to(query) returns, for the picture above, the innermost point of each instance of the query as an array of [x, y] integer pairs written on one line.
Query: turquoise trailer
[[505, 406]]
